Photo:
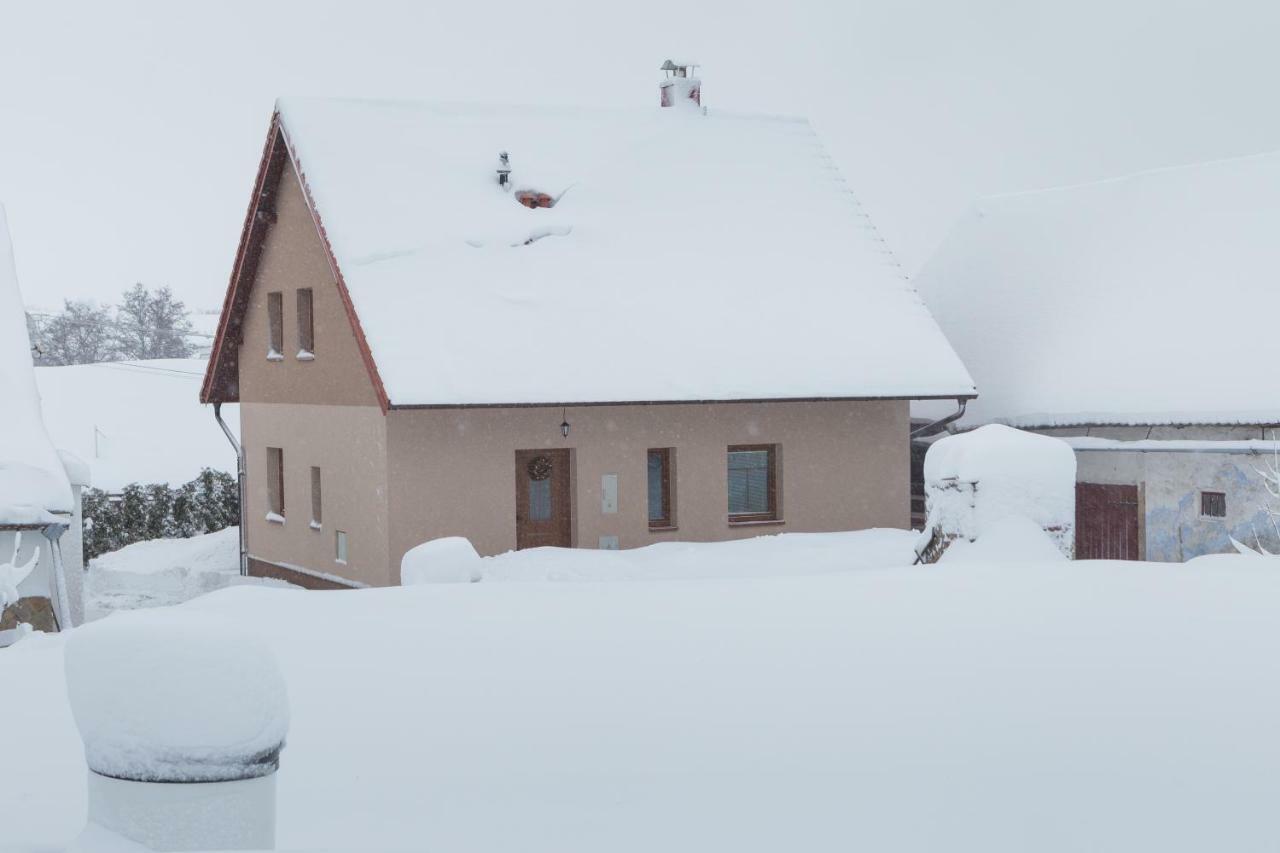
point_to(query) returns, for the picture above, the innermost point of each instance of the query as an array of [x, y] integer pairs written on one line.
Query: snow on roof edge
[[1044, 420]]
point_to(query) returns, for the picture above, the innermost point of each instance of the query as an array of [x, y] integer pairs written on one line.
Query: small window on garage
[[1213, 504]]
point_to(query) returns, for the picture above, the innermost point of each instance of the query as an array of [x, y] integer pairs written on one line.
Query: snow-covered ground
[[975, 705], [163, 572], [136, 421], [763, 556]]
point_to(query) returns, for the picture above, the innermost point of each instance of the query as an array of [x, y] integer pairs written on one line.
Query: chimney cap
[[671, 65]]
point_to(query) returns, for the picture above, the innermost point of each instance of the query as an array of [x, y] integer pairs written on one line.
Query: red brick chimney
[[680, 86]]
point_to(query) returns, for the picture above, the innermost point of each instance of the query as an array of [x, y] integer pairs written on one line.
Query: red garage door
[[1106, 522]]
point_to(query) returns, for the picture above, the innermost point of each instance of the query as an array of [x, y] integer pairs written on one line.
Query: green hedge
[[155, 511]]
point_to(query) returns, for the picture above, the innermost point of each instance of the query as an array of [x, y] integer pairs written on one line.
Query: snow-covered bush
[[452, 559], [209, 503], [976, 479]]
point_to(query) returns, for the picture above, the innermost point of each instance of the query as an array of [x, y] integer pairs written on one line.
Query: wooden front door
[[1106, 522], [544, 511]]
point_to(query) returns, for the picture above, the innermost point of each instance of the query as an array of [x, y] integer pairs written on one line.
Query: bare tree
[[83, 333], [152, 324]]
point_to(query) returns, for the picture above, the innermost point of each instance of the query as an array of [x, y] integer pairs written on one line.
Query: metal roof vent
[[504, 170]]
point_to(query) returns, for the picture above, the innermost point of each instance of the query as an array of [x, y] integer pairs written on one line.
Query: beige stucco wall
[[843, 466], [293, 257], [322, 412], [348, 443]]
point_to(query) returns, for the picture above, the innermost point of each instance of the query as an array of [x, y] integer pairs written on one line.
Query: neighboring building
[[39, 487], [1135, 318], [543, 326]]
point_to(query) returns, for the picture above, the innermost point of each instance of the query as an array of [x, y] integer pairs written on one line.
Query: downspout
[[941, 423], [929, 429], [235, 445]]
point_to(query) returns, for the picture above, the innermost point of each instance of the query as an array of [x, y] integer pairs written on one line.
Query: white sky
[[130, 132]]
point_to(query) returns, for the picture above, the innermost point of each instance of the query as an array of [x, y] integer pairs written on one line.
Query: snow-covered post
[[183, 719]]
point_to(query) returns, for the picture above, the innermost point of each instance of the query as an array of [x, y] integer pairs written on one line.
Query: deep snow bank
[[454, 560], [969, 707], [160, 572]]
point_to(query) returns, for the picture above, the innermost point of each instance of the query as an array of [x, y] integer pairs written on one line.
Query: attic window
[[531, 199]]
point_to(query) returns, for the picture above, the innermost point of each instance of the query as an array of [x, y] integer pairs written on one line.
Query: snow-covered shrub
[[451, 559], [975, 479], [209, 503]]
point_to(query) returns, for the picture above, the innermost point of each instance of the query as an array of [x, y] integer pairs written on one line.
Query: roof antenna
[[504, 170]]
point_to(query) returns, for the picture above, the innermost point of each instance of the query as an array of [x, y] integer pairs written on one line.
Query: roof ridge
[[1125, 178]]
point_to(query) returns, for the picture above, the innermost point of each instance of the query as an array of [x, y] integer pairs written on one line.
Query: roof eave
[[684, 402]]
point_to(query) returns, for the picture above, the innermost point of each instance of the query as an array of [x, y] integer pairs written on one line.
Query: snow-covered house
[[553, 326], [39, 487], [1135, 318]]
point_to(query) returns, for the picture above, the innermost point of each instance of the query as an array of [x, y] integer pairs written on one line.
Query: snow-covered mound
[[165, 571], [451, 559], [33, 482], [1012, 539], [171, 696], [975, 479], [136, 421], [780, 555], [454, 560]]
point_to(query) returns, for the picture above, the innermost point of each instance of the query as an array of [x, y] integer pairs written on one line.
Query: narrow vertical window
[[306, 325], [275, 325], [340, 546], [315, 497], [753, 482], [660, 497], [275, 483]]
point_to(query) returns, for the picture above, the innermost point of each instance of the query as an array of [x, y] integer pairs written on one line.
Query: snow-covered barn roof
[[688, 257], [33, 482], [1149, 299]]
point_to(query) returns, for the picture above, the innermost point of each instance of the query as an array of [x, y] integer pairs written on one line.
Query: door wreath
[[539, 468]]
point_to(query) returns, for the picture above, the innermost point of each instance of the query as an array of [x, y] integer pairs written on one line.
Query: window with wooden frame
[[315, 497], [275, 483], [753, 482], [275, 326], [306, 326], [1213, 504], [661, 514]]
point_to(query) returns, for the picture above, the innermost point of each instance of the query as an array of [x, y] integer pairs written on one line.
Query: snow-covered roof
[[689, 257], [1150, 299], [33, 482], [136, 421]]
